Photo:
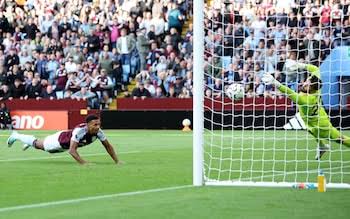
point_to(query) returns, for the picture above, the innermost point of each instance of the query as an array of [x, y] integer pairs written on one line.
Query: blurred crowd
[[244, 39], [92, 49]]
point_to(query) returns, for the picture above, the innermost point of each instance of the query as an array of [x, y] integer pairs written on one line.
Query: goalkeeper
[[310, 107]]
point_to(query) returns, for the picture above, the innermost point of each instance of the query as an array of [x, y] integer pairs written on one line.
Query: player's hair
[[89, 118], [316, 83]]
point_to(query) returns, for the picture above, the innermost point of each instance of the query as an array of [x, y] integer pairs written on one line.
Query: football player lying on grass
[[82, 135]]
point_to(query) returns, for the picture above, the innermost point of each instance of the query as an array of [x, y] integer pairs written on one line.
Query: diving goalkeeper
[[310, 107]]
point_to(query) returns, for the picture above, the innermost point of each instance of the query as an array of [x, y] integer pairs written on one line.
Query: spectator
[[33, 90], [153, 55], [48, 93], [142, 45], [71, 66], [184, 93], [41, 66], [159, 93], [105, 85], [171, 93], [5, 93], [17, 89], [150, 87], [178, 85], [5, 117], [115, 31], [30, 29], [51, 67], [143, 76], [125, 46], [72, 83], [85, 94], [11, 59], [106, 62], [116, 76], [60, 81], [140, 92], [217, 90], [175, 18]]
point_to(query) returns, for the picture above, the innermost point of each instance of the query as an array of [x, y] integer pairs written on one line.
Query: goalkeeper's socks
[[321, 150], [324, 147]]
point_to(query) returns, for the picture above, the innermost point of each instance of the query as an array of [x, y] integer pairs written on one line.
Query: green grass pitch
[[155, 181]]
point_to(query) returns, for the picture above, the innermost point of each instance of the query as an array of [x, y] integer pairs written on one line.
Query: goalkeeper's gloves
[[268, 79], [292, 65]]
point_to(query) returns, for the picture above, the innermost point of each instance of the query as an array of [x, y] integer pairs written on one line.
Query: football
[[235, 91], [186, 122]]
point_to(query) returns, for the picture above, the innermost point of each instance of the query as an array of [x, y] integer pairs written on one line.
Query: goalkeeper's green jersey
[[310, 105]]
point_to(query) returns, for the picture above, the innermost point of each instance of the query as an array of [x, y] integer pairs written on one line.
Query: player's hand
[[88, 164], [120, 162]]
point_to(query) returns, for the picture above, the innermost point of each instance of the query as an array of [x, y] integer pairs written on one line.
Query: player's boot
[[25, 147], [321, 150], [12, 138]]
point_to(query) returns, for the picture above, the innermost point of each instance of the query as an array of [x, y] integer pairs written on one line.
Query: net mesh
[[258, 138]]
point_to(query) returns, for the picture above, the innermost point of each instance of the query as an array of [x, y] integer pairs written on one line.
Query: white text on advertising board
[[28, 122]]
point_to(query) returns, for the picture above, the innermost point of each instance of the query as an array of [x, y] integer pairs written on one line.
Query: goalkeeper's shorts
[[330, 133]]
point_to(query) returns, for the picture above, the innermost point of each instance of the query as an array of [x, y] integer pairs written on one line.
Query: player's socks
[[27, 139], [321, 150], [26, 146]]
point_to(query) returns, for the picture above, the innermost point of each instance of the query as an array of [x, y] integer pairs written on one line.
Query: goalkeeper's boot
[[12, 138], [321, 150]]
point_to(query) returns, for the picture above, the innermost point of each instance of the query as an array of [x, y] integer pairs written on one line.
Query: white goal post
[[260, 140], [198, 94]]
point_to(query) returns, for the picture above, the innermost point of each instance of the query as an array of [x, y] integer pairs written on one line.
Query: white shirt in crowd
[[151, 89], [71, 67], [124, 49], [159, 25]]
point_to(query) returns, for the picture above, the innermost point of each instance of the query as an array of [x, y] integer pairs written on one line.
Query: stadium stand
[[90, 50], [59, 49]]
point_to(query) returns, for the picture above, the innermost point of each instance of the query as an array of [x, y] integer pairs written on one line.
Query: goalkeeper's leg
[[322, 144], [333, 135], [336, 136]]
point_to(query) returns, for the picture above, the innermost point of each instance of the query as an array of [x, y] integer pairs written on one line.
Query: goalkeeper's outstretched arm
[[294, 96], [312, 69]]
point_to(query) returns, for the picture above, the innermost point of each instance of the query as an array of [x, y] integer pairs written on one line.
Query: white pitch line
[[90, 198], [63, 156]]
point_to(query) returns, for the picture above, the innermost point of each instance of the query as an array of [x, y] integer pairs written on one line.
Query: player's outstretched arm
[[73, 151], [110, 150]]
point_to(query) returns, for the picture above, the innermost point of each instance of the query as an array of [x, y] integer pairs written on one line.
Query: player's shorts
[[51, 143]]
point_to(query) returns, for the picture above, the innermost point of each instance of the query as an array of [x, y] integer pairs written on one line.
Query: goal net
[[261, 140]]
